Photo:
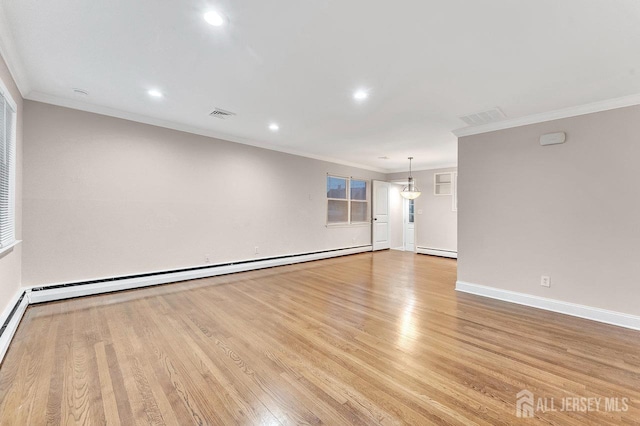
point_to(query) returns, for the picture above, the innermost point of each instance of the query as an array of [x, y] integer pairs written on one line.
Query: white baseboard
[[397, 248], [39, 295], [437, 252], [595, 314], [12, 326]]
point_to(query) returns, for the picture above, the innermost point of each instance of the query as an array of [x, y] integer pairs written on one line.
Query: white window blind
[[7, 169]]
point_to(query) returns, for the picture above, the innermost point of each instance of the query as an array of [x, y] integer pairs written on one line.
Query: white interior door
[[380, 229]]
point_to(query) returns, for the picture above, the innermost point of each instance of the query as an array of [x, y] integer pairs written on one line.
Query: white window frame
[[10, 241], [348, 199]]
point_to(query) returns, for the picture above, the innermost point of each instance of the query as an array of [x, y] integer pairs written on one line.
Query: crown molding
[[425, 169], [125, 115], [575, 111], [10, 55]]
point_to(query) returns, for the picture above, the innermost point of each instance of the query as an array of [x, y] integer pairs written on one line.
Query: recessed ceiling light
[[214, 18], [155, 93], [274, 127], [360, 95]]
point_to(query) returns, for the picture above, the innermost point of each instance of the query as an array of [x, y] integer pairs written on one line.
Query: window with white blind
[[7, 168], [347, 200]]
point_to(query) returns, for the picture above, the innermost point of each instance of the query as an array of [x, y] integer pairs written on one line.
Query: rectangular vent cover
[[484, 117], [221, 113]]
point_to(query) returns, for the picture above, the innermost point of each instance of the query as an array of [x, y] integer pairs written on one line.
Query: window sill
[[347, 225], [4, 250]]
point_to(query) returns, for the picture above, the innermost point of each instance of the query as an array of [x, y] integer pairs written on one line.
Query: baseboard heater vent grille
[[11, 314], [10, 320]]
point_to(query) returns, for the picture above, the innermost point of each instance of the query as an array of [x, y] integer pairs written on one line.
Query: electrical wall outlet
[[545, 281], [207, 259], [256, 250]]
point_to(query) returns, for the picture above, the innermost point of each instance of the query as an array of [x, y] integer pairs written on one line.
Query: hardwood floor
[[375, 338]]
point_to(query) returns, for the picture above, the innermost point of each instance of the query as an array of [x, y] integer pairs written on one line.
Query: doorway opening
[[409, 229]]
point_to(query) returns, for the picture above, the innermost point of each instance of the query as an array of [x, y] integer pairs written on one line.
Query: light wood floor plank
[[375, 338]]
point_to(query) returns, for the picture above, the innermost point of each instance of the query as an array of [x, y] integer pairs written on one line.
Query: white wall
[[11, 262], [437, 226], [569, 211], [106, 197]]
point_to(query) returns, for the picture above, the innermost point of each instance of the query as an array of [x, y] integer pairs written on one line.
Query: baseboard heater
[[437, 252], [11, 320], [62, 291], [12, 313], [86, 288]]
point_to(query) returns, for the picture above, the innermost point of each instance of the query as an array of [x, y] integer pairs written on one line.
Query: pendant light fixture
[[411, 191]]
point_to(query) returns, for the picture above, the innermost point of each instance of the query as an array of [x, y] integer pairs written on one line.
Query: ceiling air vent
[[221, 113], [483, 117]]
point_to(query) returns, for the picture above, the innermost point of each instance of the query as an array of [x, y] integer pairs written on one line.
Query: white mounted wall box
[[553, 138]]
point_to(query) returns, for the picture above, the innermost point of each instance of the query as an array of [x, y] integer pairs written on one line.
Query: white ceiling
[[298, 63]]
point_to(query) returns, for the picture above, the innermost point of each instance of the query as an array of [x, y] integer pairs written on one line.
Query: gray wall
[[11, 262], [569, 211], [106, 197], [437, 226]]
